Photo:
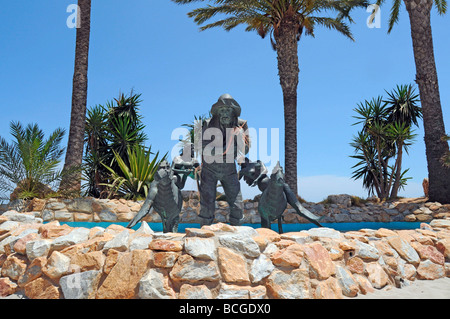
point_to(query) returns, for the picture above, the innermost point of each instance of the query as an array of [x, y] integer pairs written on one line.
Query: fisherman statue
[[224, 141]]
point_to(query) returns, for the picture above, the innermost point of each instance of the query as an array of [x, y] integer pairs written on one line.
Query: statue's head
[[164, 170], [277, 175], [226, 109]]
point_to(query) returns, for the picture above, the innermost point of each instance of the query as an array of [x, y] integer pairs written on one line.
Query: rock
[[355, 265], [119, 242], [14, 267], [383, 232], [165, 259], [269, 234], [440, 223], [347, 282], [88, 261], [377, 275], [428, 270], [7, 287], [319, 260], [112, 257], [233, 266], [261, 268], [241, 292], [165, 245], [41, 288], [328, 289], [56, 206], [80, 205], [365, 286], [76, 236], [366, 252], [291, 256], [8, 226], [429, 252], [54, 230], [202, 233], [37, 248], [343, 200], [64, 216], [202, 248], [245, 245], [23, 218], [57, 265], [33, 271], [405, 250], [410, 218], [188, 270], [443, 246], [155, 284], [20, 245], [301, 237], [140, 241], [317, 233], [194, 292], [145, 229], [80, 285], [285, 285], [124, 277]]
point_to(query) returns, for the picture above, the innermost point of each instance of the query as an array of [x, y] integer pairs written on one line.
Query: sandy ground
[[418, 289]]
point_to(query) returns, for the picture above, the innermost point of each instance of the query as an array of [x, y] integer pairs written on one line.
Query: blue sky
[[152, 47]]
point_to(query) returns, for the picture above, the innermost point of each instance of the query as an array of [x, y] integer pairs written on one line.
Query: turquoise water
[[157, 227]]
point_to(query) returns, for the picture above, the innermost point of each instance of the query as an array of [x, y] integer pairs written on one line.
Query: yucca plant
[[386, 133], [113, 128], [136, 176], [29, 165]]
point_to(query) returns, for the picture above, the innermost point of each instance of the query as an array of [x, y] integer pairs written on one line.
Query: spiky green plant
[[386, 133], [29, 165], [136, 176]]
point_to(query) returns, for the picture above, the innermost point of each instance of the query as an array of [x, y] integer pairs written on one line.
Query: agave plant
[[136, 176], [29, 165]]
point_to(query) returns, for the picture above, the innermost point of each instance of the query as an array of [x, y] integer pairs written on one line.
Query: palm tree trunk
[[74, 153], [288, 70], [427, 80]]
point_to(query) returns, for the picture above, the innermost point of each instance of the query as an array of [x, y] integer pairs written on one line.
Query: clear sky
[[152, 47]]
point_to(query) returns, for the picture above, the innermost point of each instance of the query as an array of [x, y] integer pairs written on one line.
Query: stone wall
[[336, 209], [53, 261]]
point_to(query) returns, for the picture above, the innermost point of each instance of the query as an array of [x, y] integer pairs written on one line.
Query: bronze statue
[[276, 194], [165, 193], [224, 139]]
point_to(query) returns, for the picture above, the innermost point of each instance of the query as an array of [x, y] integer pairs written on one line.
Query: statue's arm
[[145, 209], [302, 211]]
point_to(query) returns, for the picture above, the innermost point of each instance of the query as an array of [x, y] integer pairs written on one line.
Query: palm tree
[[426, 77], [74, 154], [29, 165], [285, 21]]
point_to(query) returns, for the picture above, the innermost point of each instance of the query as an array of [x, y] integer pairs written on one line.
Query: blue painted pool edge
[[343, 227]]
